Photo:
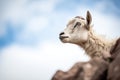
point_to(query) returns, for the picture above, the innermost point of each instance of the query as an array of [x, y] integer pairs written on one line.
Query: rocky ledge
[[95, 69]]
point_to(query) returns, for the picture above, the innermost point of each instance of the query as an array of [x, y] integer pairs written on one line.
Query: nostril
[[62, 33]]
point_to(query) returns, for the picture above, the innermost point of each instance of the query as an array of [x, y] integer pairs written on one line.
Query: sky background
[[29, 29]]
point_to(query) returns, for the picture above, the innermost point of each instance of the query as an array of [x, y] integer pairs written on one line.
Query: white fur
[[84, 36]]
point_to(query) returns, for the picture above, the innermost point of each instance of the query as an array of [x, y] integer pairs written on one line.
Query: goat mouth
[[63, 37]]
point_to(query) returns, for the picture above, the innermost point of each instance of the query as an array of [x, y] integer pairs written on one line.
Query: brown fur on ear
[[88, 20]]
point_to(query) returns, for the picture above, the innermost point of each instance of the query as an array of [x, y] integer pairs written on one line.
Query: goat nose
[[62, 33]]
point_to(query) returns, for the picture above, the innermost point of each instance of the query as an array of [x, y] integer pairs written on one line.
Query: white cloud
[[31, 15], [38, 63], [14, 11], [45, 6], [36, 24], [106, 24]]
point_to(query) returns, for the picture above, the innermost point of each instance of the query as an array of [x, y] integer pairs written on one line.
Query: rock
[[114, 67], [84, 71], [69, 75], [95, 69]]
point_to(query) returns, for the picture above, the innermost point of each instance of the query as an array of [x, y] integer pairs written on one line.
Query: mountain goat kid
[[79, 31]]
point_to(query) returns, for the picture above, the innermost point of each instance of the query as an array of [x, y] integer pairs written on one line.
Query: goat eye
[[77, 24]]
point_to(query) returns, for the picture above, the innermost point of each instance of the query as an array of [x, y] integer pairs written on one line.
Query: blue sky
[[29, 45], [15, 28]]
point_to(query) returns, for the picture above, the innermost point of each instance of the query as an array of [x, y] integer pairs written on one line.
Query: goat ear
[[88, 20]]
